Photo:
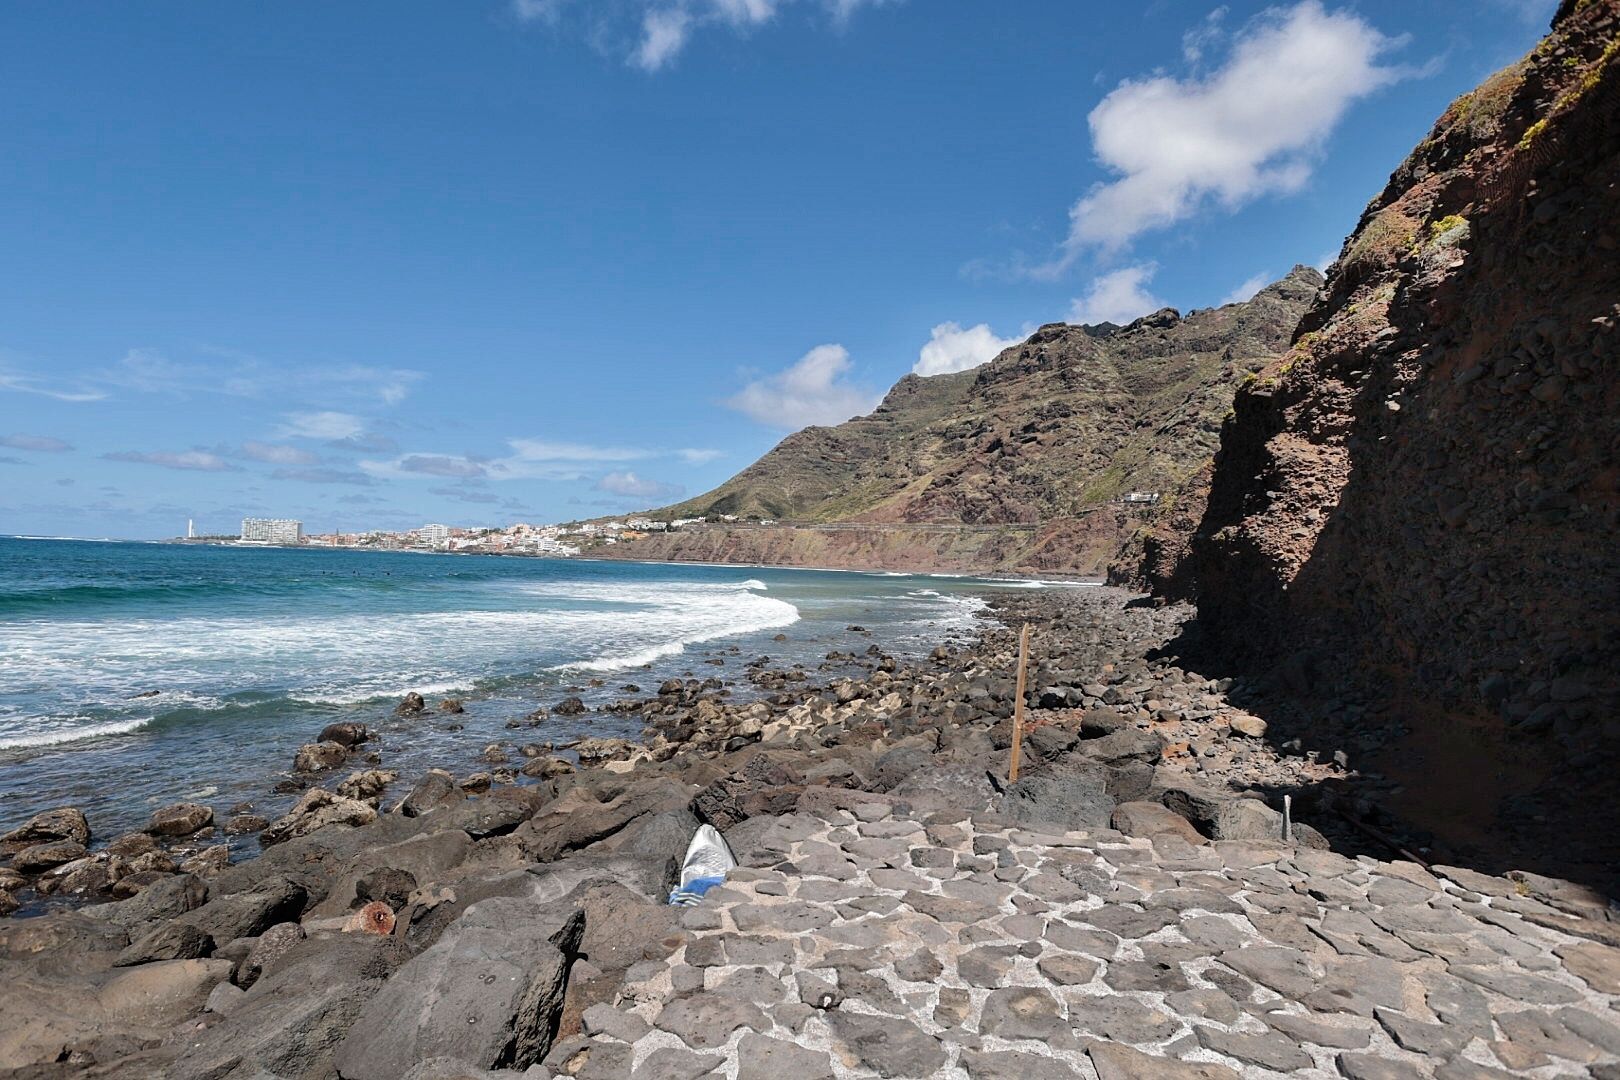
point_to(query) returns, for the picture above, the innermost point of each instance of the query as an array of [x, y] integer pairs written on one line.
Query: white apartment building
[[434, 534], [272, 531]]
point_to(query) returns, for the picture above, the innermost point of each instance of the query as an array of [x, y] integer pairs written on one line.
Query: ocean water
[[134, 675]]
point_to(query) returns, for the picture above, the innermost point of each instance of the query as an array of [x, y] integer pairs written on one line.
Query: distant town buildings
[[434, 535], [272, 531]]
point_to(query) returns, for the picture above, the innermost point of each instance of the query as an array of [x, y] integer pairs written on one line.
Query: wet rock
[[319, 757], [180, 819], [243, 824], [64, 823], [38, 857], [411, 705], [571, 706], [129, 845], [367, 785], [317, 810], [347, 734], [207, 862]]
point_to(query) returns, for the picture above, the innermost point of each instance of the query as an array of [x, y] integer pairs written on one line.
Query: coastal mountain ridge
[[1049, 438]]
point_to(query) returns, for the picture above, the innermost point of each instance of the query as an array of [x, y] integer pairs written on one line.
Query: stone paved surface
[[870, 944]]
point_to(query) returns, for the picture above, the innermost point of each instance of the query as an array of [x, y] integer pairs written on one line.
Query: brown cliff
[[1427, 486]]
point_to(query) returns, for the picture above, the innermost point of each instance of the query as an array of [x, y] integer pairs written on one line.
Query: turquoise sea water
[[133, 675]]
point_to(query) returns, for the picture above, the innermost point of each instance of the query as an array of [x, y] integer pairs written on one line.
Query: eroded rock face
[[1426, 483]]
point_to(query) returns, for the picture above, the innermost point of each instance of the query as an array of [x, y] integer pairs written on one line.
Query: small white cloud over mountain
[[951, 348], [814, 390]]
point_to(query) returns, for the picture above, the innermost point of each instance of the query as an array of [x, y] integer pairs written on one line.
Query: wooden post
[[1018, 706]]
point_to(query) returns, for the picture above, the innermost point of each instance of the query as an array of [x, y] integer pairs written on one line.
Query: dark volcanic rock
[[489, 992]]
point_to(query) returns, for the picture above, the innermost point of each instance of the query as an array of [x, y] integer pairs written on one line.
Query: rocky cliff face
[[1048, 436], [1427, 485]]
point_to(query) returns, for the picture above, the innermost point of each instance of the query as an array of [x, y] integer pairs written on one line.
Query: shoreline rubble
[[1126, 908]]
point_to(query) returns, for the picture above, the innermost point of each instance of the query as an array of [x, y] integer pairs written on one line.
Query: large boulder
[[489, 992], [318, 809], [65, 823], [577, 820], [495, 814], [248, 914], [1151, 819], [426, 858], [293, 1018], [1060, 802], [762, 786], [164, 898], [180, 819], [50, 1019]]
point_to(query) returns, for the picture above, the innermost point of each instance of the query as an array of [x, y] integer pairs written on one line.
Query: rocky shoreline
[[1128, 907]]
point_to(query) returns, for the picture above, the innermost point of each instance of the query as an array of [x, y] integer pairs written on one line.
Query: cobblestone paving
[[882, 945]]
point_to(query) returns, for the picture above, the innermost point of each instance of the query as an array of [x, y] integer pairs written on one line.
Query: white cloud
[[22, 382], [188, 460], [814, 390], [42, 443], [663, 36], [631, 486], [696, 456], [529, 459], [1245, 289], [546, 10], [1117, 297], [323, 425], [952, 348], [650, 34], [278, 455], [1253, 127], [744, 12], [541, 450], [1204, 36]]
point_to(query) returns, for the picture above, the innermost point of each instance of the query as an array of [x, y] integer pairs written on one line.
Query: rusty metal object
[[375, 918]]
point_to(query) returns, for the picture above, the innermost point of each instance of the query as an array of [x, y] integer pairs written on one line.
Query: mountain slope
[[1056, 428], [1428, 484]]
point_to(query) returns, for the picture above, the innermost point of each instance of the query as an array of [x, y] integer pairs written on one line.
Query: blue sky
[[374, 264]]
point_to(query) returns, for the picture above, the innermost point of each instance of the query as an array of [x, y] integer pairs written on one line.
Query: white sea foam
[[68, 668], [65, 734]]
